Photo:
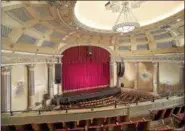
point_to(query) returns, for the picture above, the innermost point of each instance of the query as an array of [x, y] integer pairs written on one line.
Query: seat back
[[82, 123], [70, 124], [143, 126], [117, 128], [129, 127], [44, 127], [159, 115], [122, 118], [176, 110], [168, 113], [28, 127], [112, 120]]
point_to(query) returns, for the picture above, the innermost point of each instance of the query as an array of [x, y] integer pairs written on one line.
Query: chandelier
[[126, 21]]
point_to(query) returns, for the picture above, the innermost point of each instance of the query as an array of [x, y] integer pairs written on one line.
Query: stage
[[74, 97]]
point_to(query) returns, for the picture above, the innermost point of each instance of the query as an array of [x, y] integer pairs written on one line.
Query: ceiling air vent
[[43, 10], [40, 28], [124, 47], [48, 44], [158, 31], [140, 35], [5, 31], [55, 23], [20, 14], [169, 44], [57, 35], [26, 39], [141, 39], [142, 47], [162, 36], [124, 40]]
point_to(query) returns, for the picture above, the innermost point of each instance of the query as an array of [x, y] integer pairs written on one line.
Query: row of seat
[[165, 113], [122, 98], [140, 125], [117, 123], [99, 102], [129, 97]]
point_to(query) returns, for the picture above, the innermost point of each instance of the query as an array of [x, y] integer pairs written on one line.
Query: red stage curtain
[[80, 70]]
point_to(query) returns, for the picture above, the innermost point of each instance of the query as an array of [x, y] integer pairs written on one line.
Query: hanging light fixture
[[126, 21]]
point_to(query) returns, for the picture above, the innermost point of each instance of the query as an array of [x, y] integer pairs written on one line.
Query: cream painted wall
[[19, 101], [144, 84], [169, 72], [41, 81]]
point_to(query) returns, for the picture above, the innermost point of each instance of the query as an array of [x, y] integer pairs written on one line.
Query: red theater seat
[[122, 118], [112, 120], [176, 110], [157, 114], [168, 113], [142, 126], [117, 128]]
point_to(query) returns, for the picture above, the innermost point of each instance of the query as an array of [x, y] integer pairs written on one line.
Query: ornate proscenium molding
[[174, 58], [14, 59]]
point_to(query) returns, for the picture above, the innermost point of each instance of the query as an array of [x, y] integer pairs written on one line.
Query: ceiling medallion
[[126, 21]]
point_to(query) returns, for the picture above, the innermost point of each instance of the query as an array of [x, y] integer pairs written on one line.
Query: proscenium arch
[[62, 49], [95, 69]]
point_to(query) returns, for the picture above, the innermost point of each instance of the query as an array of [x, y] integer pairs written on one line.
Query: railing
[[91, 109]]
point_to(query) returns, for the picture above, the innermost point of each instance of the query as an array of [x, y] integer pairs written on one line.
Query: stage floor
[[85, 95]]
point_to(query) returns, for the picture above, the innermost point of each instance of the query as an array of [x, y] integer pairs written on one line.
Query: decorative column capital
[[181, 64], [155, 64], [50, 65], [31, 67], [5, 70]]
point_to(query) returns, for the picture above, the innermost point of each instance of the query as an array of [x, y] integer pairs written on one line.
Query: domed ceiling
[[95, 15], [51, 27]]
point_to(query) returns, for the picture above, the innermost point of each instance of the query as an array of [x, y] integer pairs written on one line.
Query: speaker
[[58, 73], [120, 69]]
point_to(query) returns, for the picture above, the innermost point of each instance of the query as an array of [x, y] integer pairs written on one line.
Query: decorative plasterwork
[[171, 58], [13, 59], [61, 19]]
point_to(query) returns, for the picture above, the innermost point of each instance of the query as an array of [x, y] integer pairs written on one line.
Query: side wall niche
[[169, 75], [19, 92]]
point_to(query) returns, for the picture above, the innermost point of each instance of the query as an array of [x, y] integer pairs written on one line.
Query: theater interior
[[92, 65]]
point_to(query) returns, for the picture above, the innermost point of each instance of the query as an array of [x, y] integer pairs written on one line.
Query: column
[[59, 86], [155, 77], [59, 89], [50, 80], [6, 88], [31, 86], [136, 72], [181, 75], [113, 74]]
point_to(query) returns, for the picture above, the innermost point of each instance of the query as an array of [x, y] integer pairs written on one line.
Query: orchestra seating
[[131, 97], [120, 98]]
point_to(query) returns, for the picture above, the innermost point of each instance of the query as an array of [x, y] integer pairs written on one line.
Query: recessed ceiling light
[[178, 19]]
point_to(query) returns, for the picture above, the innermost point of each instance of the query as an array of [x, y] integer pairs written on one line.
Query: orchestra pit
[[92, 65]]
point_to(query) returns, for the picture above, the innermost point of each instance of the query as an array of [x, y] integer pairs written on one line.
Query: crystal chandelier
[[126, 21]]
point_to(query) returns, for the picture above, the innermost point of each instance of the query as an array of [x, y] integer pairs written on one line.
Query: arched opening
[[85, 67]]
